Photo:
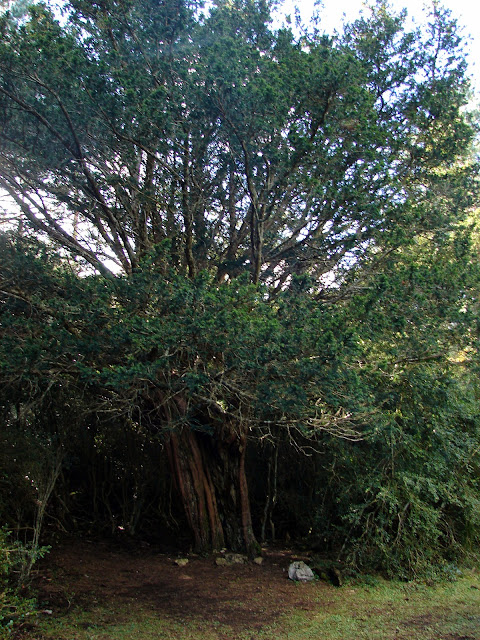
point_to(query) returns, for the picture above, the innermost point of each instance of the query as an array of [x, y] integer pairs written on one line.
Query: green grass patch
[[397, 611]]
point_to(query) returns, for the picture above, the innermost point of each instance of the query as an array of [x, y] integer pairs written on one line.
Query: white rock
[[300, 571]]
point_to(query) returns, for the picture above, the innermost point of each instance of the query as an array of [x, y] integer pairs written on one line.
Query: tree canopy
[[242, 146]]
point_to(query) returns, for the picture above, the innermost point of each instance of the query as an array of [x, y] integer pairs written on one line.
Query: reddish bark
[[250, 541], [210, 474], [196, 491]]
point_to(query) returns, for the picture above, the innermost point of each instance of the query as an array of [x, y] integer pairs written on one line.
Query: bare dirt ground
[[240, 595]]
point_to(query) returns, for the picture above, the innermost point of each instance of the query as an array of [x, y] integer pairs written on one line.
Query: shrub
[[14, 606]]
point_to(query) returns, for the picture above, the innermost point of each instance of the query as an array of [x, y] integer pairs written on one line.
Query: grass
[[397, 611], [385, 611]]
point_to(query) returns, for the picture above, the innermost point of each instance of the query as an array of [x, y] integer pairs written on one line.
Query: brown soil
[[241, 595], [87, 575]]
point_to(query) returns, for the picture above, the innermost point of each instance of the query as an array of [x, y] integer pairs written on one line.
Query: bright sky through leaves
[[335, 12]]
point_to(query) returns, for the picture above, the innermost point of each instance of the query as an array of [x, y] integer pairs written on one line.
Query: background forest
[[238, 283]]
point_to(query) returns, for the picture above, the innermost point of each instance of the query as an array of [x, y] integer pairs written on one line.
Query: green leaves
[[243, 148]]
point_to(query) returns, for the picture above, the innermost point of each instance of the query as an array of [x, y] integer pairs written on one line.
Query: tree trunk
[[209, 471]]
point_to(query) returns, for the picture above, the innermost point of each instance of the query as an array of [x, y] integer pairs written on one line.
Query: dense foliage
[[241, 299]]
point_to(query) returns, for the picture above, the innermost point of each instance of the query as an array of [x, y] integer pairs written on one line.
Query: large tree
[[174, 151]]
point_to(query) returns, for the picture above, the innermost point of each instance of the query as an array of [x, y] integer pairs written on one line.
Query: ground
[[90, 590], [239, 595]]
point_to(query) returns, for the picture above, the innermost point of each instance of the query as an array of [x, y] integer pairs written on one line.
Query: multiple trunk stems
[[209, 472]]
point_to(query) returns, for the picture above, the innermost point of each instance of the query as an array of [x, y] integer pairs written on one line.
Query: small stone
[[235, 558], [221, 562], [258, 560], [181, 562]]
